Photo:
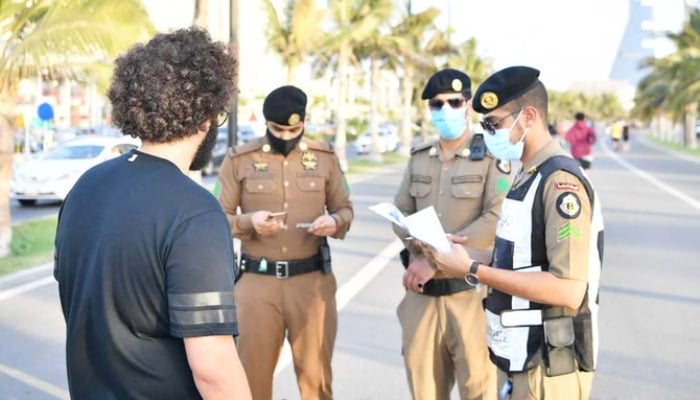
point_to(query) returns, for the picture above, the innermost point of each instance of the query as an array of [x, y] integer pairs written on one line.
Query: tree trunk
[[6, 154], [341, 123], [689, 136], [201, 13], [406, 109], [375, 154]]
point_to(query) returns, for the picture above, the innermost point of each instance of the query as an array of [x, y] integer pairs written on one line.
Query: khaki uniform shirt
[[568, 223], [466, 194], [306, 184]]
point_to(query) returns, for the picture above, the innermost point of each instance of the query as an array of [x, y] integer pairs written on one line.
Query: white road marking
[[44, 386], [668, 189], [17, 290], [350, 289]]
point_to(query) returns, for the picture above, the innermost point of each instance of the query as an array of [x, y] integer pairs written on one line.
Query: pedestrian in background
[[284, 195], [625, 136], [544, 273], [616, 133], [581, 137], [442, 318], [144, 259]]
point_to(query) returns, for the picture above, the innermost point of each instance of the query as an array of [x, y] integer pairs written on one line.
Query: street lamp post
[[233, 47]]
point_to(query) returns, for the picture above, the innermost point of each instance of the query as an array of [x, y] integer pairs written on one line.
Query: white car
[[387, 139], [53, 174]]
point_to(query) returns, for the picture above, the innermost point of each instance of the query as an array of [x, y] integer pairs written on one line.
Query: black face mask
[[282, 146], [203, 154]]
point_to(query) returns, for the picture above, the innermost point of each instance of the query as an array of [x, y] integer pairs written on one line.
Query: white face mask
[[499, 143]]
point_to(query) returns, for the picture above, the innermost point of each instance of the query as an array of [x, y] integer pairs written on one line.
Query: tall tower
[[635, 45]]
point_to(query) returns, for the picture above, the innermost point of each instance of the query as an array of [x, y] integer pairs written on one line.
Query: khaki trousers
[[444, 340], [535, 385], [302, 307]]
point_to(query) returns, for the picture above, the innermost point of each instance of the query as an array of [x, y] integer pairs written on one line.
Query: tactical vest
[[516, 337]]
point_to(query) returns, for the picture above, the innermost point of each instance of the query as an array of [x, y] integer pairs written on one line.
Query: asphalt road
[[650, 302]]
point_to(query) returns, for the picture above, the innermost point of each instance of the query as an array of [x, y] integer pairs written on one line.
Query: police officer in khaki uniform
[[543, 277], [283, 195], [442, 318]]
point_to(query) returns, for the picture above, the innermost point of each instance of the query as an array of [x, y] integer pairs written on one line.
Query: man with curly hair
[[144, 259]]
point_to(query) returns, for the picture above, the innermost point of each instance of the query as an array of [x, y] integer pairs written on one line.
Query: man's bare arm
[[216, 368]]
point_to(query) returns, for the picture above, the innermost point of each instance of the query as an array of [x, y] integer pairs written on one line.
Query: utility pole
[[233, 48]]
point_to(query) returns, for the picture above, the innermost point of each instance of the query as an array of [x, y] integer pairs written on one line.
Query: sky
[[567, 40]]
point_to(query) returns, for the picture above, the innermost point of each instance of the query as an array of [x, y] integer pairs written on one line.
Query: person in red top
[[581, 136]]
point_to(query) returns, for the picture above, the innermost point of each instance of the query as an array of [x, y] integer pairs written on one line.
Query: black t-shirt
[[144, 257]]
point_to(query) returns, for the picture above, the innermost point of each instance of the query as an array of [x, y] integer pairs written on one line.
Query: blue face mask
[[449, 122], [500, 146]]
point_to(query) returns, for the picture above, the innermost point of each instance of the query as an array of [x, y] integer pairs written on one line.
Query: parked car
[[387, 138], [245, 135], [52, 175]]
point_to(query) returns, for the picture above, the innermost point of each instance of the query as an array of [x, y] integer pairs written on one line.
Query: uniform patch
[[309, 161], [346, 186], [568, 230], [568, 205], [568, 186], [503, 166], [502, 185]]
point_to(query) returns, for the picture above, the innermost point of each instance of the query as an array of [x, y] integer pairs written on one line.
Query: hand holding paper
[[424, 225]]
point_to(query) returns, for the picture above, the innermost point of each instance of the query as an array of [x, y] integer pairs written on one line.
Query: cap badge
[[456, 85], [489, 100], [294, 119], [260, 166], [309, 161], [266, 148]]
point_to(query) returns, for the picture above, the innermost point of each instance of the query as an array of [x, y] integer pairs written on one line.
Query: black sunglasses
[[490, 126], [436, 104], [221, 118]]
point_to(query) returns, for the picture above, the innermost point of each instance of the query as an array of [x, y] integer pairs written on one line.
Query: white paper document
[[423, 225]]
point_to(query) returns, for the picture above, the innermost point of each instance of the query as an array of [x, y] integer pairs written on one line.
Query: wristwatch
[[471, 276]]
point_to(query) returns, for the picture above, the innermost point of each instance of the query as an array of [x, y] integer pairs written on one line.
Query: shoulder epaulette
[[316, 145], [423, 146], [253, 145]]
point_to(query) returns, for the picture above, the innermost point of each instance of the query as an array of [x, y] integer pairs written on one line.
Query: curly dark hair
[[163, 90]]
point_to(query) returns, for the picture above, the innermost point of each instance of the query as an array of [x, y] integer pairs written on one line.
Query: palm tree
[[293, 34], [352, 23], [56, 38], [414, 58], [382, 49], [673, 84]]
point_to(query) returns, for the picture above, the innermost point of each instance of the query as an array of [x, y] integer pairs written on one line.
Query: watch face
[[471, 279]]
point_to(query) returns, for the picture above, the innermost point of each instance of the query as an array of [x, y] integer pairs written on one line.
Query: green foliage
[[673, 82], [32, 244], [602, 107]]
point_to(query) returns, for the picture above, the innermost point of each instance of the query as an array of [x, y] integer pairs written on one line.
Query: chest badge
[[260, 166], [309, 161]]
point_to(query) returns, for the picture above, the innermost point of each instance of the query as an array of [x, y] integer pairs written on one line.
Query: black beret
[[285, 105], [448, 81], [504, 86]]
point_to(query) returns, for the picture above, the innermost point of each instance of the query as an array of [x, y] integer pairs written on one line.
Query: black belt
[[280, 269], [443, 287]]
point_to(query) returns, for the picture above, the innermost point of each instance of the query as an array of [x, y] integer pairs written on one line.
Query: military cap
[[448, 81], [285, 105], [504, 86]]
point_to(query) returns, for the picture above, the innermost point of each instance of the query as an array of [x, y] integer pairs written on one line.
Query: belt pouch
[[559, 340], [325, 253]]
